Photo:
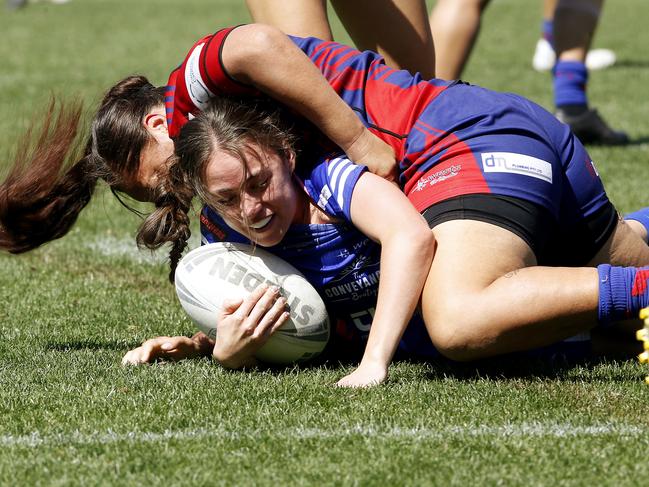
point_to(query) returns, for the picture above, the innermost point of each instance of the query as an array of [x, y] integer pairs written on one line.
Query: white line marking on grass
[[110, 246], [531, 430]]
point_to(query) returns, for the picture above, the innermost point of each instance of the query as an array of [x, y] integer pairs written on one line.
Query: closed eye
[[259, 183], [226, 200]]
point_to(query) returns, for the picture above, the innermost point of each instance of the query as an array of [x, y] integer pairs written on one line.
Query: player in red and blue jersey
[[454, 143], [467, 157]]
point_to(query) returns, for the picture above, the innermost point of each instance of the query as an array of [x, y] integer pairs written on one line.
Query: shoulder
[[198, 78], [331, 181]]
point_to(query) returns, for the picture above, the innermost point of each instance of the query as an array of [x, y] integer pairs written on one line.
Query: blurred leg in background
[[455, 25], [544, 56], [397, 29], [574, 25]]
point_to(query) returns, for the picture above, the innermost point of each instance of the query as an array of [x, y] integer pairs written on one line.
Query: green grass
[[71, 415]]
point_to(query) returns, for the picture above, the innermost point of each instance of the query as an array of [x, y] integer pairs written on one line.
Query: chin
[[266, 241]]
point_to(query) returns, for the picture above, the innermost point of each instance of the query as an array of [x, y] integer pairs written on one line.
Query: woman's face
[[152, 169], [257, 197]]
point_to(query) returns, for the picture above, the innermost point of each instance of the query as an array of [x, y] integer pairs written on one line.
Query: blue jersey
[[339, 261]]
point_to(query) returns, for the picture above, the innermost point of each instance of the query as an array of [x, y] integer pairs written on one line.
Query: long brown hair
[[231, 125], [54, 174]]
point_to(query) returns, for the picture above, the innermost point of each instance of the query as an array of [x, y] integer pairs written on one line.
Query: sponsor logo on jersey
[[438, 177], [356, 287], [213, 228], [511, 162], [196, 87]]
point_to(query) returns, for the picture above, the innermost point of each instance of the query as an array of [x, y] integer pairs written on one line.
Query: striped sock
[[570, 78], [623, 292]]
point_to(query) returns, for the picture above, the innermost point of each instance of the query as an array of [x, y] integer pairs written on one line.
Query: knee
[[457, 334]]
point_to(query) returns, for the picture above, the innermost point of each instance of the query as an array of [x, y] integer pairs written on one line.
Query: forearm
[[267, 59], [405, 263]]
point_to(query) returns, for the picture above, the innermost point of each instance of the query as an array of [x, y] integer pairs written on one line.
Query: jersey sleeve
[[331, 184], [200, 77]]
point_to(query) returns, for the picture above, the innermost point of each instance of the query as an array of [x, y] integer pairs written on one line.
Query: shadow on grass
[[631, 63], [510, 368], [91, 345], [639, 141]]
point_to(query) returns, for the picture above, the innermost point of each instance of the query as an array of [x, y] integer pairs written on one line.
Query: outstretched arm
[[407, 248], [244, 326], [266, 58]]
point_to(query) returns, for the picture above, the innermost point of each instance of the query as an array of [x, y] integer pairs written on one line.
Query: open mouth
[[261, 223]]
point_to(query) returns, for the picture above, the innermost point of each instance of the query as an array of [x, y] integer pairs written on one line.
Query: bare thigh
[[624, 247], [486, 296], [304, 18]]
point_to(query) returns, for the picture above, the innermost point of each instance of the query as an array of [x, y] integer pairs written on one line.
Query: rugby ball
[[212, 273]]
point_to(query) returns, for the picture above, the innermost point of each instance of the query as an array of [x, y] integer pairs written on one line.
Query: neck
[[307, 212]]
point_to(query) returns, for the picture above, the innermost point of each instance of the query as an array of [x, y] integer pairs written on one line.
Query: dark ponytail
[[39, 202], [53, 178]]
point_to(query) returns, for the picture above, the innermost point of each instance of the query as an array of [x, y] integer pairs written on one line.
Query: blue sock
[[570, 78], [642, 216], [623, 292], [547, 31]]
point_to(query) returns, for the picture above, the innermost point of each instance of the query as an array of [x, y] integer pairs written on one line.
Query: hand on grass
[[246, 324], [171, 348], [368, 374]]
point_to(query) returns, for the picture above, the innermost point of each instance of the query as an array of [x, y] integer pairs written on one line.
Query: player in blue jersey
[[494, 300], [289, 218]]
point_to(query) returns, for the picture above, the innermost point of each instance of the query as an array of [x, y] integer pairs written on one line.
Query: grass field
[[71, 415]]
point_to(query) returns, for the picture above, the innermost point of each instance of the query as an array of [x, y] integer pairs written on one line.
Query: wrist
[[359, 144], [375, 362], [233, 363], [204, 344]]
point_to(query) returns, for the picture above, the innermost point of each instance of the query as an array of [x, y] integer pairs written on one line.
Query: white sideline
[[524, 430], [110, 246]]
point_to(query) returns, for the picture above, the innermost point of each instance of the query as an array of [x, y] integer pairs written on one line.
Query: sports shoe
[[544, 57], [591, 128]]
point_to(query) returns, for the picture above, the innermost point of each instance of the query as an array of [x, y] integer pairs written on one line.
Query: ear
[[156, 124], [290, 159]]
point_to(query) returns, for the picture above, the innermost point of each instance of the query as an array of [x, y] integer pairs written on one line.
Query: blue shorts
[[471, 140]]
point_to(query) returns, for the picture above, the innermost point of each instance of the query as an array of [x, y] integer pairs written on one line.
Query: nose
[[250, 206]]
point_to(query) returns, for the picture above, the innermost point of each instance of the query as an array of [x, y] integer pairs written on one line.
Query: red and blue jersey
[[450, 138]]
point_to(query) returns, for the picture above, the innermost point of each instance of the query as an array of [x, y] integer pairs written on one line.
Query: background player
[[396, 29], [455, 25]]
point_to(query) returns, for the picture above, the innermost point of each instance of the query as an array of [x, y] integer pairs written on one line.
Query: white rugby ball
[[209, 274]]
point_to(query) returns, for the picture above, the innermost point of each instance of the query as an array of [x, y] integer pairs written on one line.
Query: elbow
[[253, 43], [422, 239]]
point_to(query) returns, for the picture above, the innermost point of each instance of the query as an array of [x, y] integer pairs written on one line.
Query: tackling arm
[[266, 58]]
